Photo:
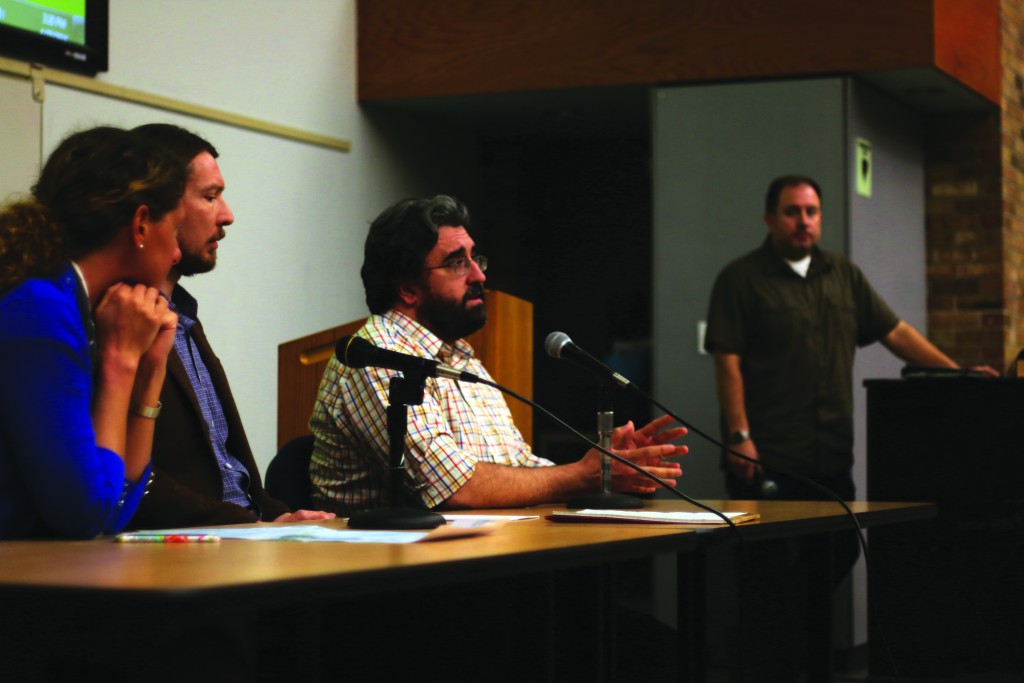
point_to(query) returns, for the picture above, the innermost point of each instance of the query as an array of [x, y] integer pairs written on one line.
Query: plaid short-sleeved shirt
[[457, 425]]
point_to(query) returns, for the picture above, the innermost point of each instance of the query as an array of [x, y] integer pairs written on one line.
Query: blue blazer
[[54, 479]]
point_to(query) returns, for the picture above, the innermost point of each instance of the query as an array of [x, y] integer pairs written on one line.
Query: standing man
[[783, 325], [424, 286], [204, 471]]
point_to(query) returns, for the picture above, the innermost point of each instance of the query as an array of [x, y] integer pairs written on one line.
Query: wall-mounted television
[[65, 34]]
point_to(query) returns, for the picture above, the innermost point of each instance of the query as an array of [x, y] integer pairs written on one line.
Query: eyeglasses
[[460, 266]]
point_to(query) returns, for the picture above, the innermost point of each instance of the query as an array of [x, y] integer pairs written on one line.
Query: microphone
[[766, 487], [558, 345], [356, 352]]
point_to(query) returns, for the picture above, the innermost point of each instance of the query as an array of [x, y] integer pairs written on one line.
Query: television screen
[[67, 34]]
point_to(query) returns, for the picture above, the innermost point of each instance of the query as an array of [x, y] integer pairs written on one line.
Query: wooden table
[[144, 580]]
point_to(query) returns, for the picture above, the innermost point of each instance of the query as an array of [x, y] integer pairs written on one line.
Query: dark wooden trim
[[430, 48]]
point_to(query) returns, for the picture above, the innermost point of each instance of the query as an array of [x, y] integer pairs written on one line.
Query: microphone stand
[[402, 393], [605, 499]]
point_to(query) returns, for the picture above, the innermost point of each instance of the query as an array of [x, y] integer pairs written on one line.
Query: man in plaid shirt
[[425, 290]]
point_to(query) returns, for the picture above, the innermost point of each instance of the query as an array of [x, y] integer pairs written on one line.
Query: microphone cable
[[626, 384], [625, 461], [734, 530], [813, 484], [363, 354], [564, 340], [592, 364]]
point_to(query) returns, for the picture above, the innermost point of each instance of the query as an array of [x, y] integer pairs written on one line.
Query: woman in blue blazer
[[84, 335]]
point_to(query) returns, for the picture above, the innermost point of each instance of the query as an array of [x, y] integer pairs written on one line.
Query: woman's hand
[[129, 318], [162, 344]]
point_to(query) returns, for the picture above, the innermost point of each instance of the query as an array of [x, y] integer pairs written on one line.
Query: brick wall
[[966, 315], [975, 219], [1012, 163]]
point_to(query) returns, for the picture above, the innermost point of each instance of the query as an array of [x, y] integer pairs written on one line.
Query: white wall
[[290, 264], [19, 158]]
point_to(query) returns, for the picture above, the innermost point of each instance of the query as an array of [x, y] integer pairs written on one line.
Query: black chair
[[287, 476]]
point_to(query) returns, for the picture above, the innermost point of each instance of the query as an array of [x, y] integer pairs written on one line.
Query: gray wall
[[887, 237], [715, 149], [887, 241]]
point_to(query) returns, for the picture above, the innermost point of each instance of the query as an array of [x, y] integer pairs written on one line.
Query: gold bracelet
[[136, 408]]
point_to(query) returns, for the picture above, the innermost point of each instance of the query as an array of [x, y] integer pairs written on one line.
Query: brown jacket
[[187, 489]]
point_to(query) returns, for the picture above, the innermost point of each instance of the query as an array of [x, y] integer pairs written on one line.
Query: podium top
[[914, 371]]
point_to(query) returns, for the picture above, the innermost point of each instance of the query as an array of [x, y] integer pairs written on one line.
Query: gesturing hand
[[649, 448], [654, 433]]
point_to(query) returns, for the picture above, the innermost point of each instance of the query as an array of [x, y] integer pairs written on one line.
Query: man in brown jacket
[[204, 469]]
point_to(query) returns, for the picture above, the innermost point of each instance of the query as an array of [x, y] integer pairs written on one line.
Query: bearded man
[[424, 285]]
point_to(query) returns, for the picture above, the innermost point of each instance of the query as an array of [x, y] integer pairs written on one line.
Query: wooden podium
[[504, 346], [948, 590]]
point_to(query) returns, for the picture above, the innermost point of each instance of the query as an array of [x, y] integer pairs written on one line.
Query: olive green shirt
[[796, 339]]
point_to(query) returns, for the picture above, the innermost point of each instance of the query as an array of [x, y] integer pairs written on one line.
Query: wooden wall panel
[[429, 48], [505, 346], [300, 367], [967, 44]]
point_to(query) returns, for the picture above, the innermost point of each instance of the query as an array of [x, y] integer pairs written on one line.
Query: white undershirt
[[800, 267]]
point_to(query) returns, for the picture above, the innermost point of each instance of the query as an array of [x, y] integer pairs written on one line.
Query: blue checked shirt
[[233, 473], [458, 425]]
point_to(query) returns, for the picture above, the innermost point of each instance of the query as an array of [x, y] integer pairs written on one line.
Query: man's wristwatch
[[738, 437]]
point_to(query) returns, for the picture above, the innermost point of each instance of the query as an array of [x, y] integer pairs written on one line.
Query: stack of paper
[[648, 517]]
